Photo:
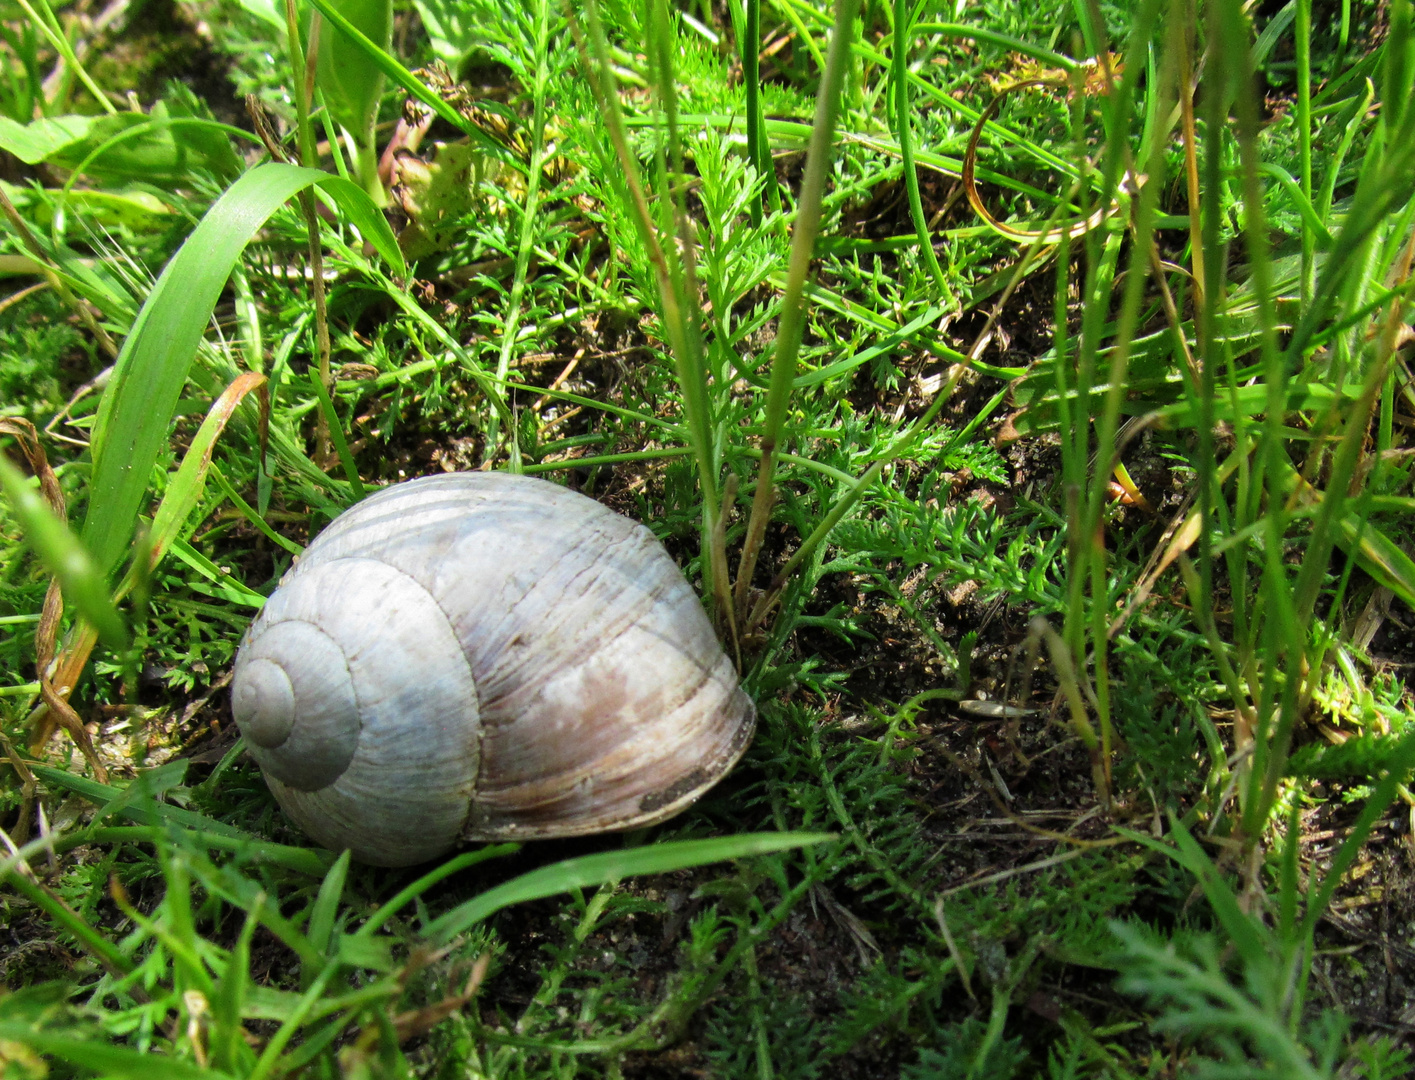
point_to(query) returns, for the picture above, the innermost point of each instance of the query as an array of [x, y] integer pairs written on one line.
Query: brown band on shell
[[675, 791]]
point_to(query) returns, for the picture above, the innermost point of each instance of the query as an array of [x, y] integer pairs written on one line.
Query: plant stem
[[900, 68], [526, 243], [678, 307], [1303, 31], [758, 150], [310, 159], [792, 321], [50, 27]]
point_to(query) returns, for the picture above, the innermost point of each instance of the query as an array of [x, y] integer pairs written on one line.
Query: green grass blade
[[336, 434], [899, 65], [793, 304], [324, 912], [249, 513], [485, 382], [678, 310], [291, 1026], [803, 235], [1374, 551], [147, 786], [312, 862], [65, 556], [147, 380], [1315, 232], [148, 813], [228, 1047], [361, 212], [758, 148], [1246, 933], [243, 892], [185, 489], [107, 1059], [1005, 41], [612, 866], [59, 39], [1303, 36], [452, 866], [222, 584]]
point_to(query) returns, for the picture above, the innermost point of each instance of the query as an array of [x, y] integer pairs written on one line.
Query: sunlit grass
[[1028, 348]]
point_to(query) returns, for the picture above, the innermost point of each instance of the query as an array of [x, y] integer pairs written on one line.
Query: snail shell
[[481, 656]]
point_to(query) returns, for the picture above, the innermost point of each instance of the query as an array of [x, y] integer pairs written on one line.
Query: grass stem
[[899, 64], [791, 322]]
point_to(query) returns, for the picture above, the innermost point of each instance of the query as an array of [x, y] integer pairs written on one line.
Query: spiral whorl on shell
[[484, 656]]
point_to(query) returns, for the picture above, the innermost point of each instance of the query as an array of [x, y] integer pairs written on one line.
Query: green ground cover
[[1025, 388]]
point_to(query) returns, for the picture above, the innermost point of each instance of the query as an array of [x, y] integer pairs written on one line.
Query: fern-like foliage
[[892, 998], [958, 1060], [1359, 757], [1241, 1025]]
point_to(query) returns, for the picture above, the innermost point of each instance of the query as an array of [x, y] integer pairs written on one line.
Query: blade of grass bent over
[[147, 380], [185, 488]]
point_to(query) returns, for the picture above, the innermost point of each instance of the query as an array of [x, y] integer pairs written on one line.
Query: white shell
[[484, 656]]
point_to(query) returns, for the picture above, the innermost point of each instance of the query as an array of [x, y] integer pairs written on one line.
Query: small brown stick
[[1018, 820], [48, 631], [953, 951], [1003, 875], [565, 373], [15, 297], [1181, 533], [409, 1025], [256, 111], [27, 785], [200, 703], [568, 414], [1171, 311], [98, 382]]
